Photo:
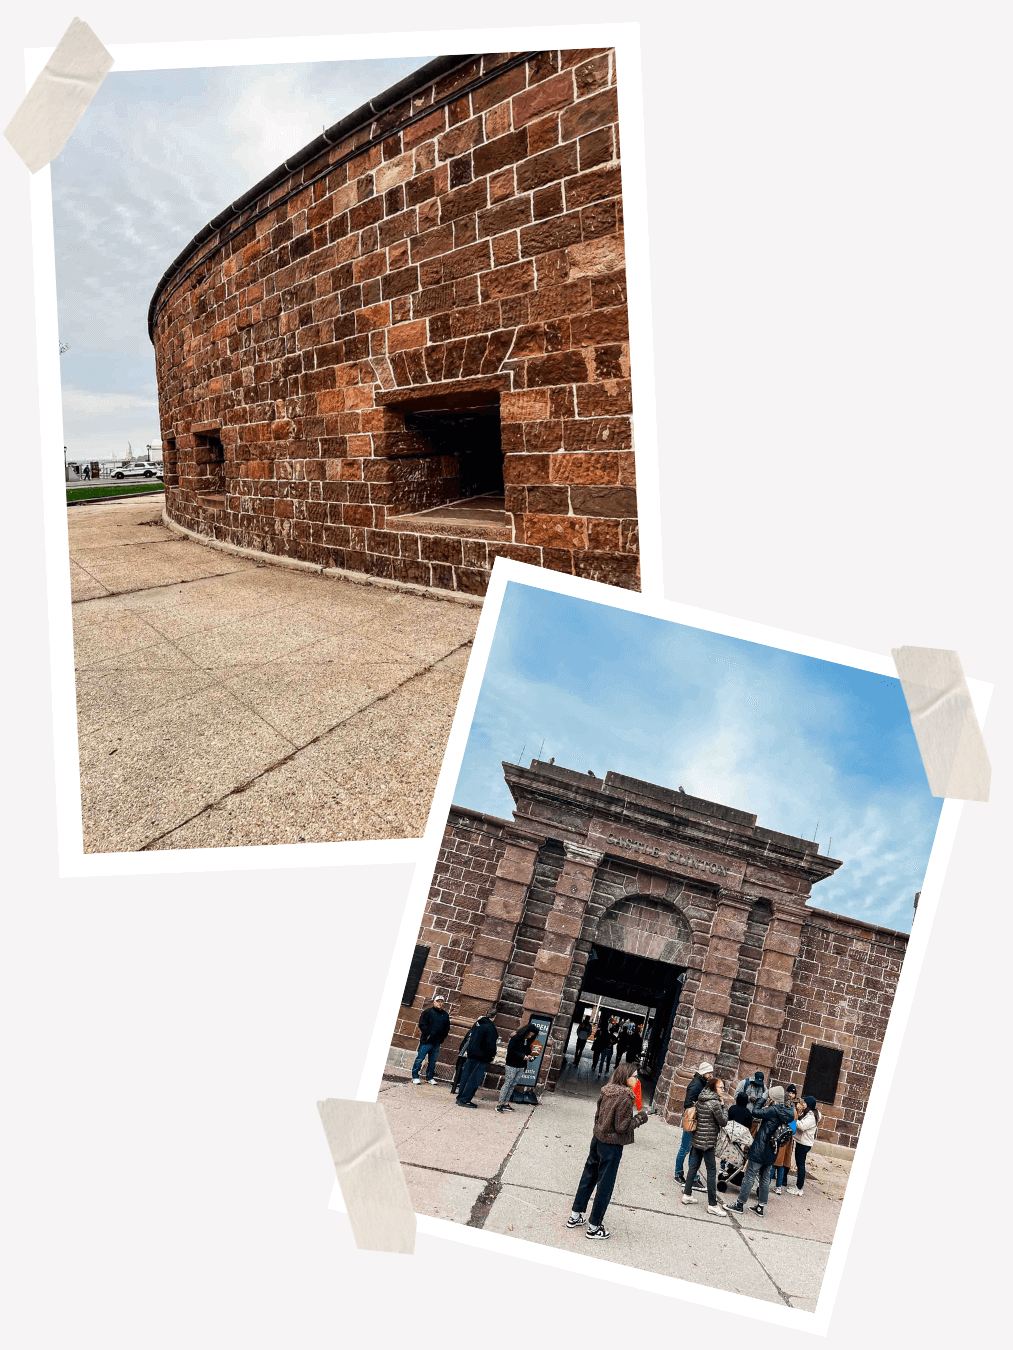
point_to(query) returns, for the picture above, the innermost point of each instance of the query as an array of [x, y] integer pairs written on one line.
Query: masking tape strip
[[949, 738], [369, 1174], [54, 105]]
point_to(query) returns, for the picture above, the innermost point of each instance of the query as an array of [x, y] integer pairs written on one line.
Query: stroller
[[732, 1146]]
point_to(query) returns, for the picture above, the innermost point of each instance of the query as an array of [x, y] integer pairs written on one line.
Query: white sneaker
[[719, 1210], [689, 1199], [416, 1081], [794, 1190], [778, 1191]]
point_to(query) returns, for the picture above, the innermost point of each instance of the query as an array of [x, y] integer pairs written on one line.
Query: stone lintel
[[587, 857]]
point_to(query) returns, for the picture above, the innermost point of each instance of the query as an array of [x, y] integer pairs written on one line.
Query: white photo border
[[505, 571], [625, 38]]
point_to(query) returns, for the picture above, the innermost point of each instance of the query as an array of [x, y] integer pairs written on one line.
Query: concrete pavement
[[223, 701], [516, 1174]]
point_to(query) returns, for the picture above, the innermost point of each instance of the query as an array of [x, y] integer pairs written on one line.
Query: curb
[[114, 497], [334, 573]]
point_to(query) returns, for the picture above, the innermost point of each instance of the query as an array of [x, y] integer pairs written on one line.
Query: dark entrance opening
[[447, 465], [209, 462], [632, 989]]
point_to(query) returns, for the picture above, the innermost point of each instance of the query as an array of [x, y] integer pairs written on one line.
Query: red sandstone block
[[559, 232], [474, 986], [508, 280], [604, 536], [496, 154], [524, 405], [592, 75], [404, 336], [604, 433], [559, 162], [551, 95], [538, 1000], [554, 531], [602, 468], [589, 114], [460, 139], [465, 201], [506, 215], [553, 963], [595, 257], [601, 325], [466, 261], [424, 129], [561, 368], [552, 302], [605, 400]]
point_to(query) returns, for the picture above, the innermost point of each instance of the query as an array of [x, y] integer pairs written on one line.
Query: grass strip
[[83, 493]]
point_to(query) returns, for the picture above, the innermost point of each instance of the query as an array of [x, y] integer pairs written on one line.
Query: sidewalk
[[225, 702], [527, 1165]]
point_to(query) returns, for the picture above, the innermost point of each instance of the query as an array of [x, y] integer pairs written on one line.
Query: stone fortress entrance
[[630, 895]]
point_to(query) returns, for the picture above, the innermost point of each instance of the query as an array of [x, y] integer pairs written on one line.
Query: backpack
[[780, 1137], [689, 1119]]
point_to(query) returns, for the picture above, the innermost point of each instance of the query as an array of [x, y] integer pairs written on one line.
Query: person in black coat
[[602, 1042], [693, 1090], [522, 1048], [434, 1028], [635, 1044], [482, 1042], [772, 1115], [583, 1032], [740, 1111]]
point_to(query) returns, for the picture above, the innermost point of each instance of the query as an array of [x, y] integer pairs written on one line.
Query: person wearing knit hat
[[772, 1115], [686, 1144], [805, 1137]]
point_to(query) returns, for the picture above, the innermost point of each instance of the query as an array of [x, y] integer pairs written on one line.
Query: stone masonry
[[405, 352], [632, 867]]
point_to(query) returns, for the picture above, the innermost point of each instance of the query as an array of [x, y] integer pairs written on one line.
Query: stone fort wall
[[428, 296], [488, 932]]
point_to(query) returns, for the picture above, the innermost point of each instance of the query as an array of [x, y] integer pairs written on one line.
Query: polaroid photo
[[298, 430], [675, 860]]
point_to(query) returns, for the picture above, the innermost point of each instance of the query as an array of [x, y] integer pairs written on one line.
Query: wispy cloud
[[807, 746]]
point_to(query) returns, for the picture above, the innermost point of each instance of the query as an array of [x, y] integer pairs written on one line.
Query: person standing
[[602, 1038], [763, 1150], [482, 1042], [740, 1112], [434, 1028], [692, 1092], [622, 1042], [519, 1055], [805, 1137], [756, 1093], [614, 1122], [782, 1162], [583, 1032], [606, 1054], [711, 1117], [635, 1048]]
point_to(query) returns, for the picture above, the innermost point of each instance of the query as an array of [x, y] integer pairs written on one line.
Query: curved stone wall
[[406, 351]]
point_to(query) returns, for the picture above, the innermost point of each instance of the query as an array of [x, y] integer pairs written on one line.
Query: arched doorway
[[632, 979]]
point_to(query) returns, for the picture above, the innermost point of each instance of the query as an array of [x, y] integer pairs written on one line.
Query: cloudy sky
[[812, 748], [154, 158]]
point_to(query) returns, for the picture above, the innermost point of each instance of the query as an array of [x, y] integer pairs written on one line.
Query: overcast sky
[[154, 158], [809, 747]]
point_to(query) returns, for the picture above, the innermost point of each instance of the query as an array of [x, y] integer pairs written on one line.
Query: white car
[[139, 470]]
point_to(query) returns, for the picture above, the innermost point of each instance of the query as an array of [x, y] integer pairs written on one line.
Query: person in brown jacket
[[614, 1122], [711, 1118]]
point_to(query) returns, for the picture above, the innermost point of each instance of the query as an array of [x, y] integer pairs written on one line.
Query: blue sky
[[156, 155], [806, 745]]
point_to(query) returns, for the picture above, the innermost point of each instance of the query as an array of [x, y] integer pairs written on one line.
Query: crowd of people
[[755, 1129]]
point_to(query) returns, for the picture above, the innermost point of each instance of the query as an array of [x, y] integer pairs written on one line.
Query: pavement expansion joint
[[298, 749], [482, 1207], [137, 590]]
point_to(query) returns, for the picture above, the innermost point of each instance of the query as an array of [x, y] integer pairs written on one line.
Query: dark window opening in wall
[[822, 1073], [415, 970], [447, 463], [170, 464], [209, 457]]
